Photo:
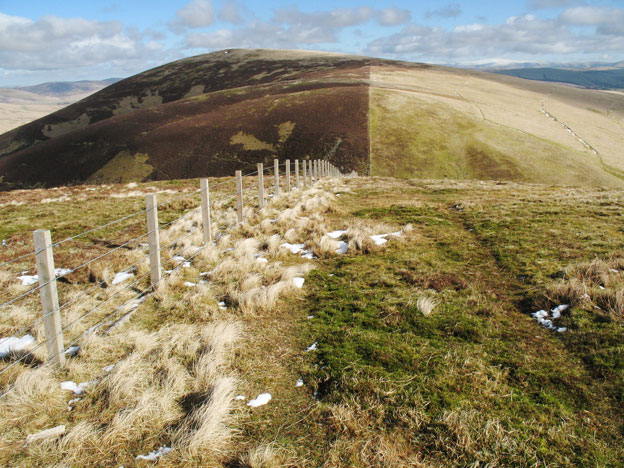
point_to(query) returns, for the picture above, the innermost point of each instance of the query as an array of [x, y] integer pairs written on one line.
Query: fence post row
[[45, 257], [261, 185], [297, 173], [205, 208], [153, 238], [49, 296], [276, 173], [239, 196]]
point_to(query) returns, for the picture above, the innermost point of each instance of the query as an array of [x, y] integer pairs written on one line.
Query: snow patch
[[155, 455], [294, 248], [122, 276], [260, 400], [71, 386], [298, 281], [13, 345], [312, 347], [342, 248], [72, 350], [336, 234], [299, 383], [381, 239], [545, 318]]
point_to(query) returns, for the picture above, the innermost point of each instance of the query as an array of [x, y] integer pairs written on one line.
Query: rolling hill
[[209, 114], [592, 79], [21, 105]]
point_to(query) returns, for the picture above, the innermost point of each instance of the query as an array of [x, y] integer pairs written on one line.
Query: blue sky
[[73, 40]]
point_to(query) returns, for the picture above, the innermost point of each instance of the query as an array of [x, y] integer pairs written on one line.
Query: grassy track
[[478, 380]]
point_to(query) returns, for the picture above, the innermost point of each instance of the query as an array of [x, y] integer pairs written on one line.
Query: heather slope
[[203, 115], [210, 114]]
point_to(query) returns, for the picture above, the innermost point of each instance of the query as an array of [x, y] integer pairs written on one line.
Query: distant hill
[[68, 88], [21, 105], [591, 79], [211, 114]]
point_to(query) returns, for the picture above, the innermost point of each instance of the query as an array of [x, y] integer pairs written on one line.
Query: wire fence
[[143, 283]]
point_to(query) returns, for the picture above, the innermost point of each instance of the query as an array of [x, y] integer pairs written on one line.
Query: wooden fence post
[[205, 207], [261, 185], [276, 173], [288, 175], [153, 238], [239, 196], [310, 172], [297, 173], [49, 296], [305, 173]]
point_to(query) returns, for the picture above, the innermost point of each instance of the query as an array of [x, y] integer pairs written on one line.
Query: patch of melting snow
[[72, 350], [108, 369], [298, 281], [262, 260], [155, 455], [336, 234], [178, 258], [240, 398], [260, 400], [310, 317], [381, 239], [294, 248], [541, 316], [28, 280], [189, 284], [122, 276], [222, 305], [77, 389], [299, 383], [312, 347], [72, 402], [12, 344], [342, 248]]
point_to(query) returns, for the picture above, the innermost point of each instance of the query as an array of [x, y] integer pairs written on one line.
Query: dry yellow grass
[[158, 372]]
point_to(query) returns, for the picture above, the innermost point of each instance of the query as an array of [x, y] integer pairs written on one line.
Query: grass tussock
[[158, 371]]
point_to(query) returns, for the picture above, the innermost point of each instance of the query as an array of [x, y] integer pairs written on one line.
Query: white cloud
[[393, 16], [606, 20], [231, 12], [196, 14], [337, 18], [53, 43], [452, 10], [289, 27], [543, 4], [526, 36]]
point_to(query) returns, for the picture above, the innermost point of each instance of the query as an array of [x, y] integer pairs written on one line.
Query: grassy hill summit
[[209, 114]]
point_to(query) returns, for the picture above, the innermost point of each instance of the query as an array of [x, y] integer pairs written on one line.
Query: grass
[[162, 374], [426, 353], [478, 380], [414, 137]]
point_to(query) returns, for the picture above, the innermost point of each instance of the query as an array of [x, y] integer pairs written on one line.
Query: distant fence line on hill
[[305, 173]]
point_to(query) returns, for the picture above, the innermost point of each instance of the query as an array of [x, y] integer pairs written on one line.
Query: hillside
[[68, 88], [421, 351], [21, 105], [209, 114], [592, 79]]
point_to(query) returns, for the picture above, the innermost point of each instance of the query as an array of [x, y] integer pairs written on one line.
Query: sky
[[70, 40]]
